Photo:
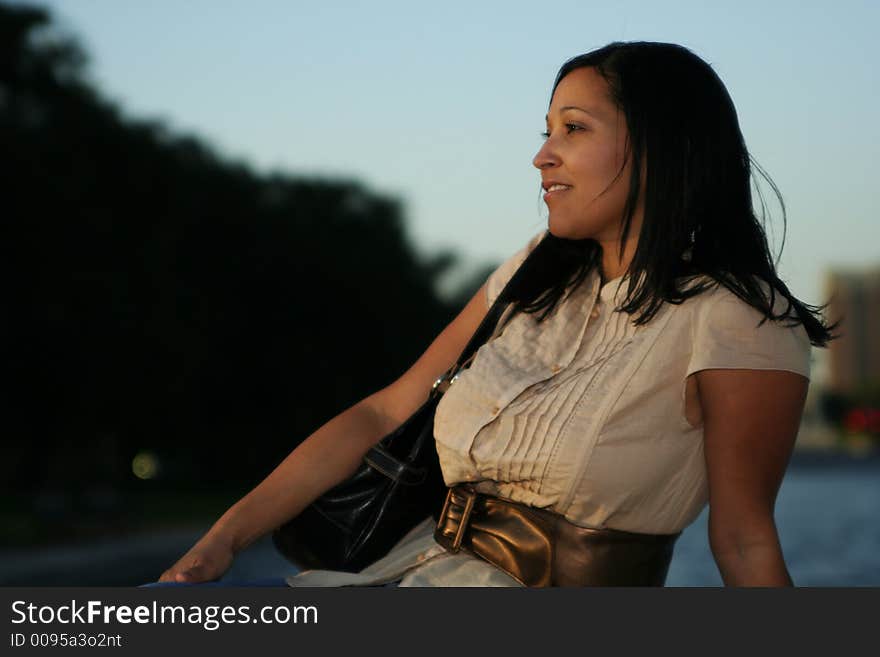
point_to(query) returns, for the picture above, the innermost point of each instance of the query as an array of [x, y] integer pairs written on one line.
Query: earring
[[688, 252]]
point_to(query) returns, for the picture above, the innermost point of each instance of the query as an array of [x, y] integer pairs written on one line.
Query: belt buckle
[[470, 498]]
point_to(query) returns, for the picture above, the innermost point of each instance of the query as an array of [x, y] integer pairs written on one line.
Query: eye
[[569, 128]]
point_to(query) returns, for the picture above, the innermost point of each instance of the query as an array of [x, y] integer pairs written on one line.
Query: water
[[828, 516]]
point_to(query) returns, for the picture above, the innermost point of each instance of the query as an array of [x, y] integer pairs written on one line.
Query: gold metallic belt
[[541, 548]]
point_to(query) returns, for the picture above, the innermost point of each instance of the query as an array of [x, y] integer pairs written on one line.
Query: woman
[[654, 361]]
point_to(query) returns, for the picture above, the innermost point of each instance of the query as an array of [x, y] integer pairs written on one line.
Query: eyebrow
[[594, 114]]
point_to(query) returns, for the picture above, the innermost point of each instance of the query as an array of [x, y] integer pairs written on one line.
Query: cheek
[[597, 171], [613, 160]]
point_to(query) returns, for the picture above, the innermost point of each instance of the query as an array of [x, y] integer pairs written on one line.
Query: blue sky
[[442, 104]]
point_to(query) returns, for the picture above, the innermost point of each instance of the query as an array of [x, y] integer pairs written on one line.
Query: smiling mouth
[[553, 190]]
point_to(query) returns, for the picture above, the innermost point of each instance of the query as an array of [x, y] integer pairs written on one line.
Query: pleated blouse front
[[585, 413]]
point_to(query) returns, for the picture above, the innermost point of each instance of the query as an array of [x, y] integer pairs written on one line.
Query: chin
[[565, 231]]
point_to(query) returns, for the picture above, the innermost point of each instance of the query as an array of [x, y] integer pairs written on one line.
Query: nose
[[546, 156]]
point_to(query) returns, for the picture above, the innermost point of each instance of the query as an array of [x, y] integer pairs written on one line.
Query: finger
[[167, 576], [197, 573]]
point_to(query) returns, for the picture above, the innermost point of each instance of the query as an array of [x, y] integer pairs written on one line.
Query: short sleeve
[[499, 278], [727, 336]]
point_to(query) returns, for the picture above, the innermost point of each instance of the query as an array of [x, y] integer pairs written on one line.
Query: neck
[[612, 267]]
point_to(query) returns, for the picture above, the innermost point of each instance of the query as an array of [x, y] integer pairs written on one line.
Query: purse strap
[[490, 325]]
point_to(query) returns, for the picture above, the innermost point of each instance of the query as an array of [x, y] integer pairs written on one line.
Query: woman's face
[[581, 160]]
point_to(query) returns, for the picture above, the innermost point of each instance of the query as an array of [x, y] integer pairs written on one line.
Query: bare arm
[[327, 457], [751, 422]]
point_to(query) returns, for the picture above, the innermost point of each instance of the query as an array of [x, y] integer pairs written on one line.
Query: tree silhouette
[[157, 297]]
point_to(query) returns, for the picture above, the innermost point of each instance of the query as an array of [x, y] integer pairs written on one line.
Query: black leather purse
[[398, 484]]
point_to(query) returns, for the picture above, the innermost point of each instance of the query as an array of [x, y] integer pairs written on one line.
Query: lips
[[553, 188]]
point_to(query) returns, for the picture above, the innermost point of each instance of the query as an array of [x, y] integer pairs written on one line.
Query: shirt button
[[555, 368], [495, 410], [594, 313]]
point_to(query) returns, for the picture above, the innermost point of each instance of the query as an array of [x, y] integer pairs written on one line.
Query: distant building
[[854, 358]]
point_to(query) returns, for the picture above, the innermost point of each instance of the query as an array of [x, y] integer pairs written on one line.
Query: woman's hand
[[207, 560], [327, 457]]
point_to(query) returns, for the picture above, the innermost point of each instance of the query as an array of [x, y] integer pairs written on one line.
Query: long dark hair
[[699, 219]]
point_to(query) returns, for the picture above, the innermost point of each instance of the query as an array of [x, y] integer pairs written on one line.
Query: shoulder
[[728, 332], [721, 305], [503, 273]]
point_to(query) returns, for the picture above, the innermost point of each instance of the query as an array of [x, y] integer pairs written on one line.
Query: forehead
[[584, 88]]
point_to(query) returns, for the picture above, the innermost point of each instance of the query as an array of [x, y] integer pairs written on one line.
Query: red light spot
[[856, 421], [874, 420]]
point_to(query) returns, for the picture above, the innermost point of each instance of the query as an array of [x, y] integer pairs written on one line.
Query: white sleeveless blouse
[[585, 413]]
